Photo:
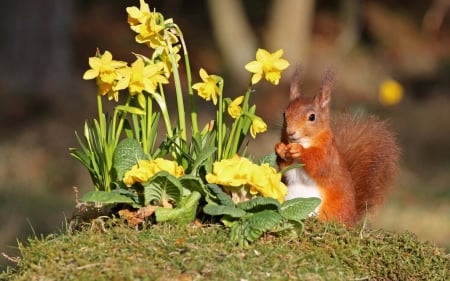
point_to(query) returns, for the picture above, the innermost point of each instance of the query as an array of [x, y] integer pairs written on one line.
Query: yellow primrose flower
[[258, 126], [208, 89], [267, 64], [234, 108], [265, 180], [240, 175], [230, 172], [391, 92], [146, 77], [145, 169]]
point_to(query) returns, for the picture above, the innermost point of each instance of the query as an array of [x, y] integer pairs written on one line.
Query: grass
[[165, 252]]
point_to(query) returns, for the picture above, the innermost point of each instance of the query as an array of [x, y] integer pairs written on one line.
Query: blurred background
[[44, 50]]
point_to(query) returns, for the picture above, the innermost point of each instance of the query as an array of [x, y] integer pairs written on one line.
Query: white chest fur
[[300, 184]]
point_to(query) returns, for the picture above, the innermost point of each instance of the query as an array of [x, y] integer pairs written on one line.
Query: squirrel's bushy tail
[[371, 153]]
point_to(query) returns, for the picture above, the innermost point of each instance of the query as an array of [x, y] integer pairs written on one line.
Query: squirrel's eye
[[312, 117]]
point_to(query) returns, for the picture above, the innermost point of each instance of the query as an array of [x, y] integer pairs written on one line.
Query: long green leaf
[[259, 203], [222, 197], [201, 158], [106, 197], [220, 210], [130, 109], [193, 183], [298, 209]]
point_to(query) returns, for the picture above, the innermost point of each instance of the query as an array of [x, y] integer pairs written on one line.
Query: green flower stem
[[165, 113], [220, 126], [227, 153], [247, 97], [237, 141], [178, 90], [104, 147], [235, 138], [147, 125], [117, 132], [193, 111], [101, 118]]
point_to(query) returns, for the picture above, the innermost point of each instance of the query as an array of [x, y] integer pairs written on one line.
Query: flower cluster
[[215, 148], [239, 175], [113, 76], [145, 169]]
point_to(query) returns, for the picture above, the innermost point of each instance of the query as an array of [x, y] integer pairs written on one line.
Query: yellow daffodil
[[103, 67], [240, 175], [208, 89], [109, 90], [107, 72], [137, 16], [234, 108], [391, 92], [267, 64], [150, 26], [258, 126], [145, 169], [161, 54], [146, 77]]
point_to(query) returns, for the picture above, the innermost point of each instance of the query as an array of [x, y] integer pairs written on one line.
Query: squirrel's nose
[[290, 132]]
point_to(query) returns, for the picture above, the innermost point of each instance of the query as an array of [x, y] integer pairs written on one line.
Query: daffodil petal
[[262, 55], [281, 64], [95, 62], [203, 74], [254, 66], [256, 78], [278, 54], [90, 74], [134, 12]]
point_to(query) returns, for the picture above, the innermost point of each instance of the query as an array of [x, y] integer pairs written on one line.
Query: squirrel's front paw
[[294, 150], [280, 150]]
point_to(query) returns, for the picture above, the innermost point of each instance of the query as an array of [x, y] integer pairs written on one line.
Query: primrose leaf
[[250, 228], [270, 159], [163, 187], [202, 158], [220, 210], [126, 155], [222, 197], [298, 209], [183, 214], [106, 197], [259, 203], [193, 183]]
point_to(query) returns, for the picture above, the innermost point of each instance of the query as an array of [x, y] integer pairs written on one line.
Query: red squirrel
[[348, 161]]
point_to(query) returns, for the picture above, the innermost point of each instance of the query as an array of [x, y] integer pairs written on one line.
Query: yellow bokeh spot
[[391, 92]]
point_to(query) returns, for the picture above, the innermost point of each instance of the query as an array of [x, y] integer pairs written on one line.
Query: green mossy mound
[[167, 252]]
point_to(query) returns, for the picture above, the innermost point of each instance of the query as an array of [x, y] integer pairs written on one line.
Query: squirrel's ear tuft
[[295, 82], [327, 86]]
